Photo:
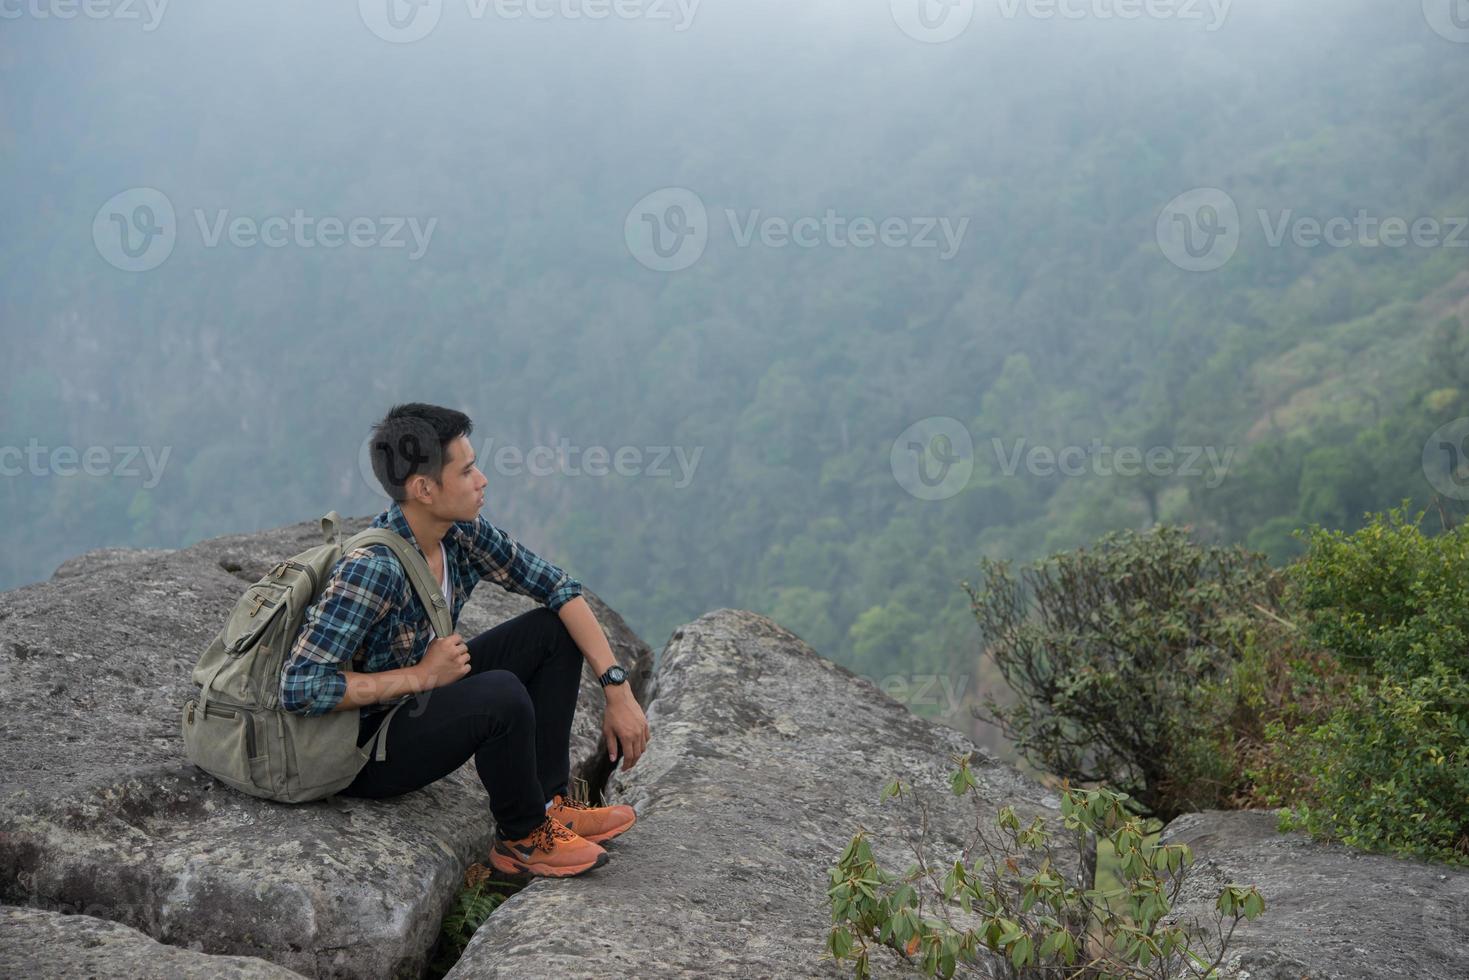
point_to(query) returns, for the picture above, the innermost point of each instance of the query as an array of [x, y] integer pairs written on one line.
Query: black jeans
[[512, 712]]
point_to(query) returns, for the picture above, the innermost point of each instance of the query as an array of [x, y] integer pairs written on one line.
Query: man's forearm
[[382, 685], [582, 624]]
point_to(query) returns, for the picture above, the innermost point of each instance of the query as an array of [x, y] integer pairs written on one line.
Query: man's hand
[[624, 727], [445, 661]]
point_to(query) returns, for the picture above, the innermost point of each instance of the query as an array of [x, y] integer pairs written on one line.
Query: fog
[[751, 244]]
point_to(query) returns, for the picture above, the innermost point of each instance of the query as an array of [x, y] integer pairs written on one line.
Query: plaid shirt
[[368, 612]]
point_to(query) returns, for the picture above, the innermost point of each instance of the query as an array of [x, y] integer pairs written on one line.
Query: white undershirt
[[443, 586]]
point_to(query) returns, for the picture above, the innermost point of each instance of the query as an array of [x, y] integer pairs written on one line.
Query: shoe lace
[[573, 804], [548, 833]]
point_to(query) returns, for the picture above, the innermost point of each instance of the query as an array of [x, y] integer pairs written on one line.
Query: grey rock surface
[[101, 813], [40, 945], [100, 557], [1332, 912], [765, 759]]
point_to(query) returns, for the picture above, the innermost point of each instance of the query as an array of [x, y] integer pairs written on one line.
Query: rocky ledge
[[118, 857], [765, 759], [1332, 912], [102, 814]]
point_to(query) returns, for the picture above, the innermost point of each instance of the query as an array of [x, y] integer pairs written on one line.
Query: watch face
[[616, 675]]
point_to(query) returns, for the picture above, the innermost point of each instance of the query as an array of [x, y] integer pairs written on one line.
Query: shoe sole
[[506, 864]]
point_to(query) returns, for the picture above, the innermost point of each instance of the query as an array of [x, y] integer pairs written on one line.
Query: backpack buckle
[[259, 601]]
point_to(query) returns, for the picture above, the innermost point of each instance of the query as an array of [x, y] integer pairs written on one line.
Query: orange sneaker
[[549, 851], [594, 823]]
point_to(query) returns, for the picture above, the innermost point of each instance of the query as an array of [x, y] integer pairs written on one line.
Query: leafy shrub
[[1022, 905], [1121, 659], [1283, 688], [1387, 768]]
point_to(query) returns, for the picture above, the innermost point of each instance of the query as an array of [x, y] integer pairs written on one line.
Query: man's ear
[[423, 488]]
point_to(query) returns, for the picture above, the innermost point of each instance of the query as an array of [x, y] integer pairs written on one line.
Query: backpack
[[236, 729]]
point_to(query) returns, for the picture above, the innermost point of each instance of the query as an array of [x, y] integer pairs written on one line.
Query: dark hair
[[412, 439]]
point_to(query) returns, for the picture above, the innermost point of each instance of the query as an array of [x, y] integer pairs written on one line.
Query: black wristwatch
[[614, 675]]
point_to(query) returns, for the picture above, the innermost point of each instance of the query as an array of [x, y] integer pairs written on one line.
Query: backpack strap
[[418, 571]]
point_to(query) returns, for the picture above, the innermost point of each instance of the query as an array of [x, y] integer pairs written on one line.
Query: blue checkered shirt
[[369, 614]]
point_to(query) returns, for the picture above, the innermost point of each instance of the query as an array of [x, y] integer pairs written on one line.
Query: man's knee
[[499, 694]]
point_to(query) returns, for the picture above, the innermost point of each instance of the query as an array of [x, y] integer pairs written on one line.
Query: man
[[506, 697]]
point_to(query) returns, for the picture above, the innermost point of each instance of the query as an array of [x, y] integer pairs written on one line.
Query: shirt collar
[[394, 520]]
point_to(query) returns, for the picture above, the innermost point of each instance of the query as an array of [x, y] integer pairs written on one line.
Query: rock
[[1331, 912], [43, 945], [765, 759], [100, 557], [101, 812]]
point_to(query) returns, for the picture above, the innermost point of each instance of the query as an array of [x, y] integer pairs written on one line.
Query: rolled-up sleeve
[[501, 559], [356, 597]]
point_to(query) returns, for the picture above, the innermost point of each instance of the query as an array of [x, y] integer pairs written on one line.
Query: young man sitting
[[506, 697]]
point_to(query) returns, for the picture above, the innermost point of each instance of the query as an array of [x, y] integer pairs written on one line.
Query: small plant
[[472, 906], [1018, 901]]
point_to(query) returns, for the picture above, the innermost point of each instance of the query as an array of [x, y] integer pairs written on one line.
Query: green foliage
[[472, 906], [1120, 657], [1016, 902], [1387, 767]]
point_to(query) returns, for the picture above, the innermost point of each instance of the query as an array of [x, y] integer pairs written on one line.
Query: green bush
[[1028, 901], [1387, 769], [1121, 658]]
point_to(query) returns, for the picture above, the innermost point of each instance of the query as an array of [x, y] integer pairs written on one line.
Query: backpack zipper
[[292, 563]]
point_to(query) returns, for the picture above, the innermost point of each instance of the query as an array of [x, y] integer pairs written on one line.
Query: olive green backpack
[[236, 729]]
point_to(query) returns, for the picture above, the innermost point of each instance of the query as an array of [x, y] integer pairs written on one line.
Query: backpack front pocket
[[222, 742]]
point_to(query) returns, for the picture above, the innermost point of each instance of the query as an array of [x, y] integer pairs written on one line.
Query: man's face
[[460, 492]]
